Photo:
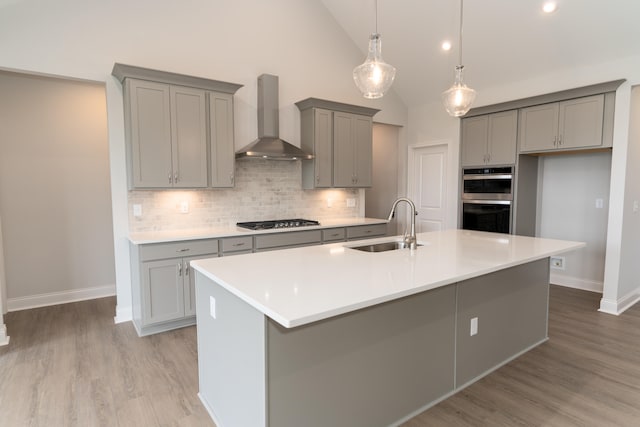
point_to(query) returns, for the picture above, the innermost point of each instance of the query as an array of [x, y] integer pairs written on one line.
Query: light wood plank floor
[[69, 365]]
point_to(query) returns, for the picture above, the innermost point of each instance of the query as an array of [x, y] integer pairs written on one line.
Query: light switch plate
[[474, 327], [137, 211]]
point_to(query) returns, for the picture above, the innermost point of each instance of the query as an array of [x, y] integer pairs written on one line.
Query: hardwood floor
[[69, 365]]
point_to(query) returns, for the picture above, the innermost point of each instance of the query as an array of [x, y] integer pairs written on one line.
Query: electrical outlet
[[137, 211], [212, 306], [329, 203], [558, 262], [474, 327], [636, 206], [599, 203], [184, 207], [351, 203]]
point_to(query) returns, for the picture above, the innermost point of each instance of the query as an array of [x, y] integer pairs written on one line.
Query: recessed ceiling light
[[446, 45], [549, 7]]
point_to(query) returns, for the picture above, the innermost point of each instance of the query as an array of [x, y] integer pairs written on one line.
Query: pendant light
[[374, 77], [458, 98]]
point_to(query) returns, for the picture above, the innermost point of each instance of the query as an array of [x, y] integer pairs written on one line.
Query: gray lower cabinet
[[332, 235], [572, 124], [366, 231], [490, 139], [236, 245], [340, 137], [163, 286], [270, 242]]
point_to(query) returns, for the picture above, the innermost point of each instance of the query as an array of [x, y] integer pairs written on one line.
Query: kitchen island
[[329, 335]]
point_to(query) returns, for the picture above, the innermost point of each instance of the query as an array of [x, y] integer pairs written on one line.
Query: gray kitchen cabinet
[[340, 138], [236, 245], [332, 235], [490, 139], [163, 285], [572, 124], [168, 135], [366, 231], [353, 147], [293, 239], [179, 129], [222, 158]]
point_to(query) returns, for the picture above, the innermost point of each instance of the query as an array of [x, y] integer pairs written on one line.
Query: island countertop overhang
[[298, 286]]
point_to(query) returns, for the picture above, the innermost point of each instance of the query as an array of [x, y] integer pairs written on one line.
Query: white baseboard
[[63, 297], [123, 314], [576, 283], [617, 307], [4, 339]]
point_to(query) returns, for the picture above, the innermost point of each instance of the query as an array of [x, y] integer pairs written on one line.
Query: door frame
[[451, 179]]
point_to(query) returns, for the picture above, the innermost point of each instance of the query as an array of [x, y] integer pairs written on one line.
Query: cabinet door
[[344, 150], [163, 291], [222, 163], [189, 137], [581, 122], [474, 140], [149, 129], [190, 284], [503, 134], [539, 128], [323, 147], [364, 150]]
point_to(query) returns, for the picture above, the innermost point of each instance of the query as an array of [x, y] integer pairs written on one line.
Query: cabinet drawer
[[296, 238], [178, 249], [235, 244], [366, 231], [333, 235]]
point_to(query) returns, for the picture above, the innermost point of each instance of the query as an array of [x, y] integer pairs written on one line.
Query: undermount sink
[[382, 247]]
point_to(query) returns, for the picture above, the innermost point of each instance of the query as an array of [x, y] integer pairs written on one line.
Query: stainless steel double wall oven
[[487, 199]]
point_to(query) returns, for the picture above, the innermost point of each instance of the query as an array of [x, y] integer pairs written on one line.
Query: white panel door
[[428, 184]]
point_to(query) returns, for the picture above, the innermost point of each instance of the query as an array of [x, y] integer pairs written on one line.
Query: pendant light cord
[[376, 9], [460, 50]]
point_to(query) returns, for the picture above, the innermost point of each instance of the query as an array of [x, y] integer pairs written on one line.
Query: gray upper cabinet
[[490, 139], [340, 138], [188, 137], [572, 124], [179, 129], [168, 135], [222, 167]]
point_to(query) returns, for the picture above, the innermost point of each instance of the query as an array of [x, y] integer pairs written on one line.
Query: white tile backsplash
[[265, 189]]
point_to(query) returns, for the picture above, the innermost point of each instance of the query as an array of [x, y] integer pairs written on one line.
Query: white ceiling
[[504, 40]]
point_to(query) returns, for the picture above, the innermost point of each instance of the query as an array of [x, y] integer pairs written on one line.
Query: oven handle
[[488, 176], [487, 202]]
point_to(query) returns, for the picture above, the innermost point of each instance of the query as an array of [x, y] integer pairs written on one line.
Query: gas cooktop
[[277, 223]]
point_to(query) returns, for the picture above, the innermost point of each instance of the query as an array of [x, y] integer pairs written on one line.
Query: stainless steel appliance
[[487, 198], [277, 223]]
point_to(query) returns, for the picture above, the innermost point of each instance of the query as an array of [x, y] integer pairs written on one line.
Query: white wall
[[54, 191], [569, 187], [226, 40], [619, 289]]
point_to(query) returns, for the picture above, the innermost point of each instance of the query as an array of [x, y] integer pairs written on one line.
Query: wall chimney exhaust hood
[[269, 145]]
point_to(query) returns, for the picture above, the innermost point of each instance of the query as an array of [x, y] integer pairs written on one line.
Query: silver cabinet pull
[[317, 179], [555, 141], [231, 178], [236, 245], [183, 250], [169, 177], [180, 269], [175, 177], [559, 139], [186, 268]]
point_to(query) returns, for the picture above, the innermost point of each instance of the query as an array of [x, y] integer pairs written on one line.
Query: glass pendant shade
[[458, 98], [374, 77]]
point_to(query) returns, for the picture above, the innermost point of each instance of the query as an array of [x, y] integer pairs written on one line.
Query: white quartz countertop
[[302, 285], [214, 233]]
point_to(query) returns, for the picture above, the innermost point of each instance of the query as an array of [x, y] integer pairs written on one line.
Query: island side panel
[[231, 356], [512, 310], [367, 368]]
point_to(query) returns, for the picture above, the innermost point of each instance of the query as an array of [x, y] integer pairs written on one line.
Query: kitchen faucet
[[411, 239]]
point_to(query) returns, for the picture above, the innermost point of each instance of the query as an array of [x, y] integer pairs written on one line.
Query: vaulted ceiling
[[504, 41]]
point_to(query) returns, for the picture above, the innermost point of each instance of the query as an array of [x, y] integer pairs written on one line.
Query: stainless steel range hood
[[269, 145]]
